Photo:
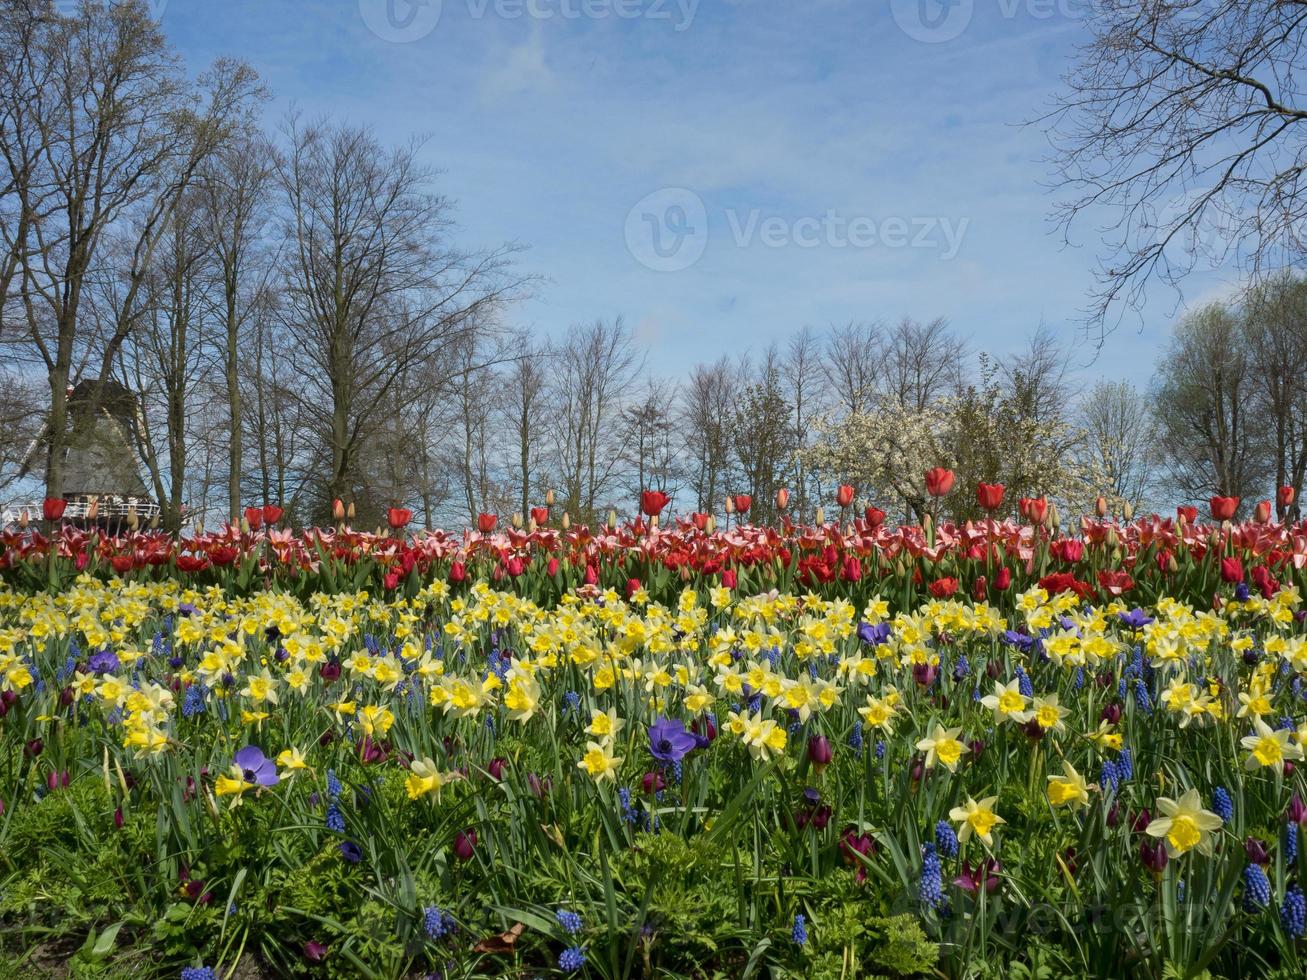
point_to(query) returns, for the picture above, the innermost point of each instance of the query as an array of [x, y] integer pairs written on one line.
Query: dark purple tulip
[[1141, 821], [1113, 814], [66, 697], [820, 752], [465, 844], [991, 670], [653, 782], [1256, 851], [977, 746], [1033, 730], [1153, 855], [329, 671], [1297, 810], [351, 852], [57, 780], [918, 770], [705, 730], [1288, 768], [539, 787], [33, 748], [1111, 713], [1250, 658], [496, 769], [314, 951], [118, 818], [821, 817], [983, 875], [1104, 678], [924, 674]]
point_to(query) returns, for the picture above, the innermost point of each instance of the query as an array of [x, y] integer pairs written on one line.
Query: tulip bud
[[1100, 506], [465, 843], [730, 505], [23, 519], [566, 521], [612, 519], [782, 498], [338, 509], [245, 526], [350, 512], [820, 516], [517, 519], [549, 497], [712, 524], [820, 752], [1262, 512]]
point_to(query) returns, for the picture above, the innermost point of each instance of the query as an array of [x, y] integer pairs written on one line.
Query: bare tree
[[1185, 119], [763, 435], [373, 286], [801, 372], [923, 361], [235, 197], [707, 407], [1202, 397], [594, 367], [525, 407], [853, 364], [1120, 434], [652, 447], [1275, 330]]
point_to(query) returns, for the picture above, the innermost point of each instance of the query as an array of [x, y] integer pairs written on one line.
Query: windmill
[[102, 482]]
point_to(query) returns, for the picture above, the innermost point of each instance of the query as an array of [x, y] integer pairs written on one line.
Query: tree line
[[295, 314]]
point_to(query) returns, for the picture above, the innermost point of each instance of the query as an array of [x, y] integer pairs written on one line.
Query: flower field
[[1002, 748]]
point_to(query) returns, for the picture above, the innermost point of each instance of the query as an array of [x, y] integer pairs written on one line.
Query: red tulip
[[398, 517], [942, 588], [1033, 509], [852, 571], [742, 503], [338, 509], [540, 515], [632, 587], [1003, 580], [980, 588], [652, 502], [1190, 514], [254, 517], [844, 495], [390, 580], [552, 568], [52, 508], [939, 481], [1224, 508], [272, 514], [1231, 570], [729, 579], [1262, 511], [486, 523], [1285, 496], [782, 498], [457, 572], [989, 495], [700, 520], [1115, 582]]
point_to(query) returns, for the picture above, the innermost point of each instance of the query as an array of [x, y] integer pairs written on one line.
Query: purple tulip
[[496, 769], [1256, 851], [983, 875], [465, 844], [653, 782], [1153, 855], [314, 951], [820, 752], [1297, 810]]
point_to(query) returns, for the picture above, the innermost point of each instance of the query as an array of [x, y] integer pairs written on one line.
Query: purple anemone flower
[[669, 741], [255, 767], [1136, 619], [102, 662]]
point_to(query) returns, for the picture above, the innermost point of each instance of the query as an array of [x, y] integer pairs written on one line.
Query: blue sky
[[720, 172]]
